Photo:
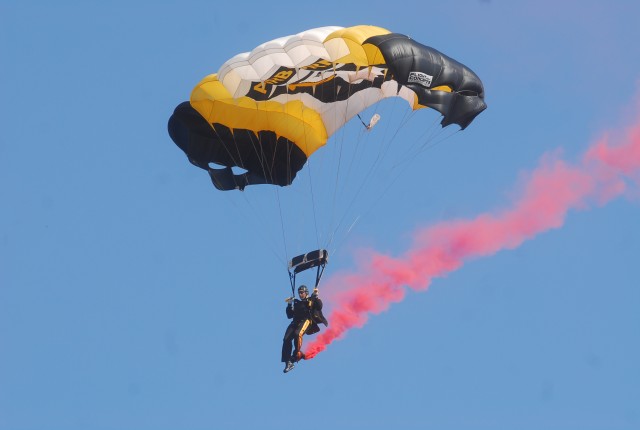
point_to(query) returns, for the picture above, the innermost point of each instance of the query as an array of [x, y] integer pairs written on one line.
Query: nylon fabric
[[303, 88]]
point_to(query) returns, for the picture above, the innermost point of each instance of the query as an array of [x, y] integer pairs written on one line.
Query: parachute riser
[[319, 273], [318, 259], [292, 279]]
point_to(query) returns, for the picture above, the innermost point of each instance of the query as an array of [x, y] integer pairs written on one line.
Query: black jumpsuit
[[302, 314]]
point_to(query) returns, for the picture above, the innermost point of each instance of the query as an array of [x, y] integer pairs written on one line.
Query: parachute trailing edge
[[206, 143], [267, 111]]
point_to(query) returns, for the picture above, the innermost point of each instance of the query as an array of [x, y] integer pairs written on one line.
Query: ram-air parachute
[[267, 111]]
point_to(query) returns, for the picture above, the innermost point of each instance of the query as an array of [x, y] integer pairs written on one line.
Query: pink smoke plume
[[549, 192]]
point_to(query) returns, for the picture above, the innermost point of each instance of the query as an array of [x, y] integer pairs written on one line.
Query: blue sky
[[133, 295]]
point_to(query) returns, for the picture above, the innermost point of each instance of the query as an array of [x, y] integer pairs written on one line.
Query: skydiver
[[306, 314]]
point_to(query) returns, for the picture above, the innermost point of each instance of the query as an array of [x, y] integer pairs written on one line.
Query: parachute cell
[[268, 110]]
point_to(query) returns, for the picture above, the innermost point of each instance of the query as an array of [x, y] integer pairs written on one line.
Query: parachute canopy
[[268, 110]]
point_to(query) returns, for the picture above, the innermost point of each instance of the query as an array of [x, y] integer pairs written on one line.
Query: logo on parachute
[[420, 79], [284, 74], [323, 80]]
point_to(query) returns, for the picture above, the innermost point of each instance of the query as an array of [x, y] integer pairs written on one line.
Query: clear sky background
[[133, 295]]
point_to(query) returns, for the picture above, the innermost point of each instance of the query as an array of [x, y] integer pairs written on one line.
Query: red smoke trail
[[548, 194]]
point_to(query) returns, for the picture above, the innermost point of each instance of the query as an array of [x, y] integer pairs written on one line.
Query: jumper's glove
[[289, 299], [315, 292]]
